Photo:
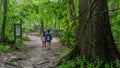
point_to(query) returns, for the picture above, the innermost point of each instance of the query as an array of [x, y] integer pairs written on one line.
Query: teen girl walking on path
[[43, 40]]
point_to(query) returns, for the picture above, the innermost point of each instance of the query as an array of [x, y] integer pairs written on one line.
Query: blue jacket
[[48, 37]]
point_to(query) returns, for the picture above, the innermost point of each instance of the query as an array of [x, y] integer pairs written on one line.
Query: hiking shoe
[[48, 48]]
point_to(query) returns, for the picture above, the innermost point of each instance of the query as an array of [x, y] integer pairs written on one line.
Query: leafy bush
[[66, 52], [4, 48], [115, 26], [19, 42], [68, 39], [19, 45], [10, 35], [25, 38], [68, 64], [118, 47], [84, 63], [117, 62]]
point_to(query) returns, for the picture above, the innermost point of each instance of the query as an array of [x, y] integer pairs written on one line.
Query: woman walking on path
[[43, 40]]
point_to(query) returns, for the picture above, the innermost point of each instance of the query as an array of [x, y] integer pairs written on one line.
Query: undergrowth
[[79, 62], [66, 52], [19, 45], [25, 38], [4, 48], [84, 63], [13, 47]]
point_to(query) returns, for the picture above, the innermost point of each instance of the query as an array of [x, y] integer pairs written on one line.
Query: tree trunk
[[42, 27], [3, 36], [95, 35], [55, 20]]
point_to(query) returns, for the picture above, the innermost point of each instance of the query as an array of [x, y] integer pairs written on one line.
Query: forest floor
[[33, 55]]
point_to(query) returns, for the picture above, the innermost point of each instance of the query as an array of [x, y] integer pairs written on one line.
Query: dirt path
[[33, 56]]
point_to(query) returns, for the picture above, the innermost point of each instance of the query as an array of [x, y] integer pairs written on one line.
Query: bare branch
[[109, 10]]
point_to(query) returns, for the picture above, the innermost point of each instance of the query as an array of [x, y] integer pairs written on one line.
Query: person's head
[[44, 30], [43, 33], [48, 31]]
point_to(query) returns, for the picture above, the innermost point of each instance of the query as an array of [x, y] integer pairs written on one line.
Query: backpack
[[48, 38]]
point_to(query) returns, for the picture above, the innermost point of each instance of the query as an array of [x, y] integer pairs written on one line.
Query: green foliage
[[68, 39], [118, 46], [115, 20], [66, 52], [68, 64], [84, 63], [37, 12], [19, 45], [10, 35], [19, 42], [109, 65], [80, 62], [25, 38], [4, 48], [117, 62]]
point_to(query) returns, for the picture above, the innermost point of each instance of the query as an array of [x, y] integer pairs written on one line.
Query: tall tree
[[3, 36], [95, 36]]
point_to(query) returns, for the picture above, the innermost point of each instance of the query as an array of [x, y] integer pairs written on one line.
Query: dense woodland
[[89, 28]]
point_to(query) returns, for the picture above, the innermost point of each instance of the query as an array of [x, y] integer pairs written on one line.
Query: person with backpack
[[43, 40], [48, 39]]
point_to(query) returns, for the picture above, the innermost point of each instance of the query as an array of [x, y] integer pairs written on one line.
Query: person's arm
[[51, 37], [41, 35], [45, 36]]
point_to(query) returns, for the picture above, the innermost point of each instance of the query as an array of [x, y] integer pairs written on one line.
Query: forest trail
[[32, 56]]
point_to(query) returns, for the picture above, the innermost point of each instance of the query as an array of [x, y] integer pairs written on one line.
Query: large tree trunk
[[3, 36], [95, 36]]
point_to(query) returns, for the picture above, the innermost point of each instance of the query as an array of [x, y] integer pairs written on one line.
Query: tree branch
[[109, 10]]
